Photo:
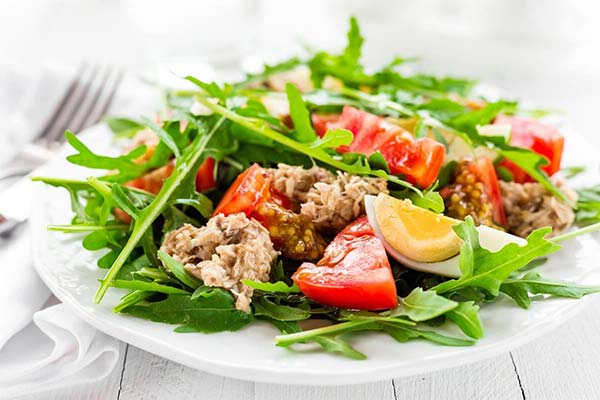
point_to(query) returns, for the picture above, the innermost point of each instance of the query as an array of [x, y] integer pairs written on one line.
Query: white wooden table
[[563, 364]]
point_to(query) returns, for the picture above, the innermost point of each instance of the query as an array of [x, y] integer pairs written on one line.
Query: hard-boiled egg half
[[423, 240]]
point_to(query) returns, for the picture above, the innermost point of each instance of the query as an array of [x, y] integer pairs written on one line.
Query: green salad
[[329, 200]]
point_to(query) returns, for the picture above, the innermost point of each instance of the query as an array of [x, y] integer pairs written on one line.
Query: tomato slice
[[249, 189], [484, 169], [354, 272], [418, 160], [292, 234], [205, 178], [543, 139]]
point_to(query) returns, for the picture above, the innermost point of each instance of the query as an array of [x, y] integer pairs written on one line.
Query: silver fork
[[85, 102]]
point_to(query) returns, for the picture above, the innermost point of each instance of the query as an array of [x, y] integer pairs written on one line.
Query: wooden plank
[[108, 388], [147, 377], [379, 391], [490, 379], [565, 363]]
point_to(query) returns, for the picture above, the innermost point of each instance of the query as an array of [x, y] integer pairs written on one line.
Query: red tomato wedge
[[291, 233], [419, 160], [354, 272], [205, 178], [250, 188], [483, 168], [536, 136]]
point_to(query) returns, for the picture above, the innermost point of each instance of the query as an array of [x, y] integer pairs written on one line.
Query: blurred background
[[545, 51]]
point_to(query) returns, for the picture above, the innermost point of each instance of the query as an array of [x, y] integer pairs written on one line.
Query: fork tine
[[74, 102], [51, 121], [88, 105], [104, 103]]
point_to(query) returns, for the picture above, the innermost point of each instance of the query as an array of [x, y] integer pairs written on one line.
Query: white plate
[[70, 272]]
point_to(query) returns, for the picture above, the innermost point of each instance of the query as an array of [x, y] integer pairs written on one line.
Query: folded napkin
[[57, 350], [43, 346]]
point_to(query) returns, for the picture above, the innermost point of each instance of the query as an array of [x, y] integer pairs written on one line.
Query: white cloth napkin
[[56, 350], [42, 346]]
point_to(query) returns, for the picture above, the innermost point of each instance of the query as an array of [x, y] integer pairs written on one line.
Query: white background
[[545, 51]]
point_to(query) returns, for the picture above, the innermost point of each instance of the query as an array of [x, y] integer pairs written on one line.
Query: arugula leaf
[[200, 203], [345, 66], [588, 205], [335, 138], [534, 283], [303, 130], [268, 70], [487, 270], [532, 163], [518, 293], [212, 89], [572, 172], [430, 200], [405, 333], [124, 127], [466, 316], [164, 136], [425, 85], [132, 298], [123, 202], [443, 109], [353, 49], [267, 308], [147, 286], [279, 286], [358, 165], [126, 167], [339, 345], [179, 270], [214, 313], [185, 170], [202, 291], [422, 305], [255, 108], [285, 327], [469, 121]]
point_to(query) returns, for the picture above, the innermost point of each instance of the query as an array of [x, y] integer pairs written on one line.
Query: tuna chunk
[[530, 206], [224, 252]]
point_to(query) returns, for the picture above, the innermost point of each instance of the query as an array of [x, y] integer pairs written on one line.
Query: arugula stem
[[154, 209], [286, 340], [130, 299], [569, 235], [278, 137], [101, 187], [383, 103], [147, 286], [86, 228]]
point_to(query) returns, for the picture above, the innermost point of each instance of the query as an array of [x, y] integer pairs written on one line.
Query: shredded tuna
[[296, 182], [224, 252], [530, 206], [333, 205]]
